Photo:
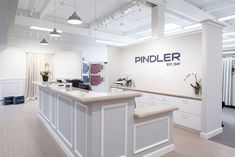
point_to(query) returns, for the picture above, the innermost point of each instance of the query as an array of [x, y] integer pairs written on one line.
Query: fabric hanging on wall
[[96, 68], [96, 80], [227, 80], [34, 64]]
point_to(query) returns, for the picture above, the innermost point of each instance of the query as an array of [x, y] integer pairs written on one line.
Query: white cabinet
[[187, 120], [188, 115], [187, 105]]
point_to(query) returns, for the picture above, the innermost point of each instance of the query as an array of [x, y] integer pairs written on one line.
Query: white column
[[211, 78], [158, 21]]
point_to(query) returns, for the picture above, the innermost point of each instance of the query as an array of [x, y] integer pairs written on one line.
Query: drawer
[[187, 120], [187, 105], [156, 99]]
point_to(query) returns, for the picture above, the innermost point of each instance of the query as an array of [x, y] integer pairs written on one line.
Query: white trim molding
[[136, 151], [102, 126], [20, 83], [211, 133], [161, 151], [75, 127], [71, 118]]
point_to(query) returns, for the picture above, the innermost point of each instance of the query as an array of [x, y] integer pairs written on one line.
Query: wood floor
[[23, 135]]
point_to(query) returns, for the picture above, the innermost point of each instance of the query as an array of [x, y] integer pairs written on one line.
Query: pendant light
[[55, 33], [44, 42], [74, 19]]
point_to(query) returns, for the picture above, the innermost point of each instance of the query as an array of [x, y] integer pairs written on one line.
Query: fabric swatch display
[[85, 79], [85, 68], [96, 80], [96, 68]]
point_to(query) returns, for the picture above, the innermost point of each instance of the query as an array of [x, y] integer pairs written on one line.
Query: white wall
[[212, 78], [95, 53], [67, 59], [158, 75], [12, 63], [114, 68], [67, 56], [67, 65]]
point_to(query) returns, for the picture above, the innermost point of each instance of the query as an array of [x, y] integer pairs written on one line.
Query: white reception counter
[[91, 124]]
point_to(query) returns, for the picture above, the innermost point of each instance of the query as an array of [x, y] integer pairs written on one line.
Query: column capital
[[212, 23]]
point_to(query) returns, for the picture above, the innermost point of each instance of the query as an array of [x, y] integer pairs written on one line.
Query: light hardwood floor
[[23, 135]]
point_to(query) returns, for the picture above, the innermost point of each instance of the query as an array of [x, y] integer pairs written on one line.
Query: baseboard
[[162, 151], [226, 106], [211, 133], [186, 128], [55, 136]]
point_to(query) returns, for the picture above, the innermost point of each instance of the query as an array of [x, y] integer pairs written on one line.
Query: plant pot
[[45, 78], [197, 91]]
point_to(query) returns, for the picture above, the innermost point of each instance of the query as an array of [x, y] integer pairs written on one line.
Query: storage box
[[8, 100], [18, 100]]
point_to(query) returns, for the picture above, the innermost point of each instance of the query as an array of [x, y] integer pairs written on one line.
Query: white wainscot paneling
[[46, 97], [40, 102], [114, 121], [151, 138], [53, 111], [65, 119], [11, 87], [81, 130]]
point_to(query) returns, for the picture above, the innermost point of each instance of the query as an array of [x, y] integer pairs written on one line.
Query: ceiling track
[[116, 12]]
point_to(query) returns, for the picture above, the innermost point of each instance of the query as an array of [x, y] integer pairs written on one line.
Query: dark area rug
[[228, 135]]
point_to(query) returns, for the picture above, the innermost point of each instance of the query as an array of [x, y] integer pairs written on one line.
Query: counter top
[[89, 97], [153, 110], [173, 94]]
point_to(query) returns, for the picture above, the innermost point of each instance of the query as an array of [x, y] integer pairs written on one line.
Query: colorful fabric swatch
[[85, 68], [96, 80], [96, 68], [85, 79]]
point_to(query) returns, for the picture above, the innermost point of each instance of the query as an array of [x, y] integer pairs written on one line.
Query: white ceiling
[[132, 26]]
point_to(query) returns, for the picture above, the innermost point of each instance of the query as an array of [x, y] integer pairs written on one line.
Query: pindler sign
[[171, 59]]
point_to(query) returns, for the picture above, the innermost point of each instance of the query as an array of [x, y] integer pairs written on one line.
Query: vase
[[196, 91], [45, 78]]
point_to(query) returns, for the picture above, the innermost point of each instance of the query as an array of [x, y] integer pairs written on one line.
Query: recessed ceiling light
[[232, 45], [43, 29], [171, 26], [228, 40], [111, 43], [173, 31], [192, 26], [145, 38], [230, 33], [227, 18]]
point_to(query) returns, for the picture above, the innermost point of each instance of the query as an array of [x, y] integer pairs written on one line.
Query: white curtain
[[34, 64], [227, 80]]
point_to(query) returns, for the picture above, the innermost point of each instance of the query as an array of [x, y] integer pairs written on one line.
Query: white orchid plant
[[195, 84]]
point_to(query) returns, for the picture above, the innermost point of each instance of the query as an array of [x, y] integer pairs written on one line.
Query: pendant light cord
[[55, 14]]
